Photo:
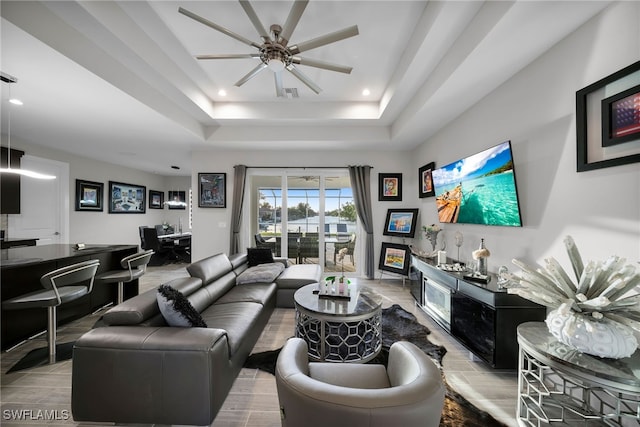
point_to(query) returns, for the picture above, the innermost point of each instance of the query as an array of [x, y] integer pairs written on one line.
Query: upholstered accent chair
[[408, 392]]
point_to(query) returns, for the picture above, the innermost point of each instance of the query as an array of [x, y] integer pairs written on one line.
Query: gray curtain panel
[[361, 185], [239, 176]]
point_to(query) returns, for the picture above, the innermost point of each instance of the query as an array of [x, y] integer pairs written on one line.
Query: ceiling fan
[[275, 52]]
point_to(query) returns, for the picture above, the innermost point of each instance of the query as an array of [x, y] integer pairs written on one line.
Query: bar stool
[[60, 286], [135, 266]]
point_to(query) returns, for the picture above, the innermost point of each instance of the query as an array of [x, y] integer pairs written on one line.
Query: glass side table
[[559, 385]]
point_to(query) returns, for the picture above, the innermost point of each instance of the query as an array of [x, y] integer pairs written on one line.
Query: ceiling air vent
[[291, 92]]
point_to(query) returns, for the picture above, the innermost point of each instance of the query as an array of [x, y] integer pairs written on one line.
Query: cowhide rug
[[398, 324]]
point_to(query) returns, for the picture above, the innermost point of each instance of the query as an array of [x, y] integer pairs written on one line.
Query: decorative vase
[[602, 338], [482, 258]]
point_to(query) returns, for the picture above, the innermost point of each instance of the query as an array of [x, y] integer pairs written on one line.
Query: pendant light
[[24, 172]]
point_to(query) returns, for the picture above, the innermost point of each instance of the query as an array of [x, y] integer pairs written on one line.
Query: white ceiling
[[118, 81]]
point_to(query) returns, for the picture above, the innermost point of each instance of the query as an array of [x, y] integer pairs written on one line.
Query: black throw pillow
[[256, 256], [176, 308]]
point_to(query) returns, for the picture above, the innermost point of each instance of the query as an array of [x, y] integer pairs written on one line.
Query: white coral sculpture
[[602, 289]]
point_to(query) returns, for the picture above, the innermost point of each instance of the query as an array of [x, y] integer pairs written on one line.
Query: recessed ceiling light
[[366, 92], [222, 92], [15, 101]]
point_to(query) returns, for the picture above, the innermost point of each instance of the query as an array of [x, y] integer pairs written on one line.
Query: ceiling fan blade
[[251, 74], [279, 87], [304, 79], [229, 56], [248, 9], [322, 64], [292, 21], [324, 40], [217, 27]]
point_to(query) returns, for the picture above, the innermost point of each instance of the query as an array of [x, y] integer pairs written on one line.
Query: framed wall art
[[89, 196], [156, 199], [425, 181], [127, 198], [608, 121], [390, 187], [212, 190], [621, 117], [177, 200], [401, 222], [395, 258]]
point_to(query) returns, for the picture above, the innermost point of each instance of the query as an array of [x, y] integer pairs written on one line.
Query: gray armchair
[[409, 392]]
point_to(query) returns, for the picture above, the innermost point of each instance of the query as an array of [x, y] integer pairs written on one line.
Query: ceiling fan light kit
[[274, 52]]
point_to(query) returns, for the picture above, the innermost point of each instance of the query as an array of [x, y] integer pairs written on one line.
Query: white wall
[[600, 209], [210, 238], [102, 227]]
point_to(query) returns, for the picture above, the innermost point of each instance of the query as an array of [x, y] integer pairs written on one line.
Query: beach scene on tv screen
[[479, 189]]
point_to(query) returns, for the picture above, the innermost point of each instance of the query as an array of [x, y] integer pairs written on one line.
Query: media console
[[481, 316]]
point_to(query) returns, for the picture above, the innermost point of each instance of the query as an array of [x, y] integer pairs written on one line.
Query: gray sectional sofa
[[137, 369]]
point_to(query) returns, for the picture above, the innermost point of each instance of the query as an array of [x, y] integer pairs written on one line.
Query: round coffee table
[[338, 329]]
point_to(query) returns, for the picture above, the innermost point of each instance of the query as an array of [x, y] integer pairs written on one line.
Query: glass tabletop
[[363, 300], [625, 372]]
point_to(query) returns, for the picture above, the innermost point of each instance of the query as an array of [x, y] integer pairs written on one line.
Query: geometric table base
[[547, 397], [335, 339]]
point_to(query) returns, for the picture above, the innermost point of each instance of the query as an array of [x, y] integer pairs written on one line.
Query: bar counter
[[21, 269]]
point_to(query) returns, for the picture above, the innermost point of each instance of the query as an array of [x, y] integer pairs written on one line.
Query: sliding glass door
[[307, 216]]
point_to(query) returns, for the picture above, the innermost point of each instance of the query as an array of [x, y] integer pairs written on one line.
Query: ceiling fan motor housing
[[275, 56]]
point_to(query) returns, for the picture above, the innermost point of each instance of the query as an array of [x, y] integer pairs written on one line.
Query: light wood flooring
[[253, 400]]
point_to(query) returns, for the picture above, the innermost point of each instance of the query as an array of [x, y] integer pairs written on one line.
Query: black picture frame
[[621, 117], [212, 190], [89, 196], [127, 198], [590, 126], [425, 181], [390, 187], [179, 199], [156, 199], [395, 258], [401, 222]]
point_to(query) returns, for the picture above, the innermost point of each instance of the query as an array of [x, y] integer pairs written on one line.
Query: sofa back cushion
[[144, 307], [238, 260], [211, 268], [210, 293]]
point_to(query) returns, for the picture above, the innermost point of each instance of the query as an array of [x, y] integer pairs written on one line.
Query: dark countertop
[[489, 293], [22, 256], [491, 286]]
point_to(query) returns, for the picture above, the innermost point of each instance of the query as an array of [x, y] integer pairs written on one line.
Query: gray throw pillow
[[176, 308]]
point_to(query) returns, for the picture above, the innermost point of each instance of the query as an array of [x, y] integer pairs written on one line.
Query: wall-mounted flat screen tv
[[479, 189]]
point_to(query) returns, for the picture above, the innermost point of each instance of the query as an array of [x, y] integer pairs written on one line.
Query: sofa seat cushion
[[262, 273], [237, 318], [298, 275], [260, 293]]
